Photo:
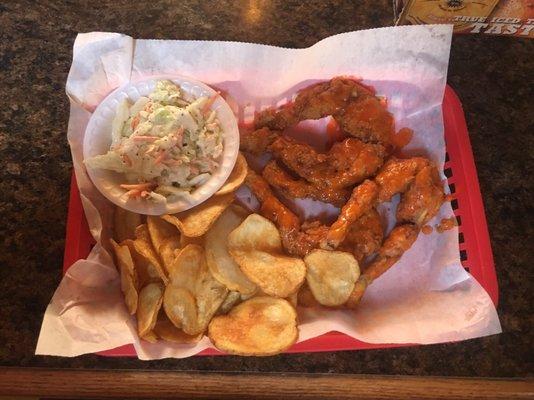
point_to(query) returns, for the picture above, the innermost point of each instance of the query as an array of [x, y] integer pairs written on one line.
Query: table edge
[[78, 383]]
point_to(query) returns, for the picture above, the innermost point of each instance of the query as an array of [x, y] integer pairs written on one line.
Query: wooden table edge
[[72, 383]]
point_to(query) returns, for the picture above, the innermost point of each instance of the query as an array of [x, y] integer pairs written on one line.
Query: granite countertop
[[490, 74]]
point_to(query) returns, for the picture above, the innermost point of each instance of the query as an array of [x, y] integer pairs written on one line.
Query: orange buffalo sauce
[[427, 229], [402, 137], [446, 224]]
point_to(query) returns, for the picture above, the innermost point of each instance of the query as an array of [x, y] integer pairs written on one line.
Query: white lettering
[[525, 30], [506, 20], [477, 27], [511, 29], [495, 29]]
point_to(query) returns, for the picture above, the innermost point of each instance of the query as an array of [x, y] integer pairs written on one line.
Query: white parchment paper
[[426, 298]]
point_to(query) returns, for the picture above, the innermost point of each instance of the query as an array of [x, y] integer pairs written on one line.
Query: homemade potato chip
[[276, 275], [236, 178], [196, 221], [185, 240], [167, 250], [261, 326], [150, 337], [331, 276], [125, 223], [255, 245], [231, 300], [144, 247], [221, 264], [181, 308], [187, 266], [256, 233], [146, 272], [160, 230], [150, 300], [190, 272], [129, 282], [209, 295], [166, 330]]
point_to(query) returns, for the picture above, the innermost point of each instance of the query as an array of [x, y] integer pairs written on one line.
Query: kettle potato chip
[[166, 330], [167, 251], [196, 221], [331, 276], [231, 300], [186, 267], [150, 300], [146, 272], [221, 264], [236, 178], [181, 308], [260, 326], [256, 246], [144, 247], [160, 230], [190, 272], [128, 274]]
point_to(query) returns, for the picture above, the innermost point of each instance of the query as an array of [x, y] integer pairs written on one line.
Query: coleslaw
[[164, 144]]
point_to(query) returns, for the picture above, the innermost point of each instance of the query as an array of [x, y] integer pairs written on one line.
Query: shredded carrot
[[133, 193], [135, 122], [159, 158], [141, 138], [206, 107], [170, 162]]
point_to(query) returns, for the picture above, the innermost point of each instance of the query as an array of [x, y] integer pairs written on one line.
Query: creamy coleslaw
[[164, 144]]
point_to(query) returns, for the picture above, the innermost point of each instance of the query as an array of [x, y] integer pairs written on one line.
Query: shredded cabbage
[[165, 141]]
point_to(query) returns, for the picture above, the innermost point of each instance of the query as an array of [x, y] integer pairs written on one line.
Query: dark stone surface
[[491, 75]]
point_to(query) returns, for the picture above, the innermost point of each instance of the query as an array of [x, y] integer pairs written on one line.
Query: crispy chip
[[331, 276], [190, 272], [150, 300], [167, 251], [144, 247], [210, 294], [231, 300], [181, 308], [261, 326], [150, 337], [186, 268], [125, 223], [196, 221], [256, 233], [277, 275], [129, 281], [146, 272], [185, 240], [256, 247], [236, 178], [160, 230], [221, 264], [166, 330]]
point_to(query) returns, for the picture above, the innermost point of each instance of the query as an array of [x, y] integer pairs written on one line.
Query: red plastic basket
[[475, 248]]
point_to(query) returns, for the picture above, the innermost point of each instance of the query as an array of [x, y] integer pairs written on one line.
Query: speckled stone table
[[490, 74]]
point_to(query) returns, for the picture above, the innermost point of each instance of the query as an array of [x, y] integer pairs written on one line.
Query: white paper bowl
[[97, 140]]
